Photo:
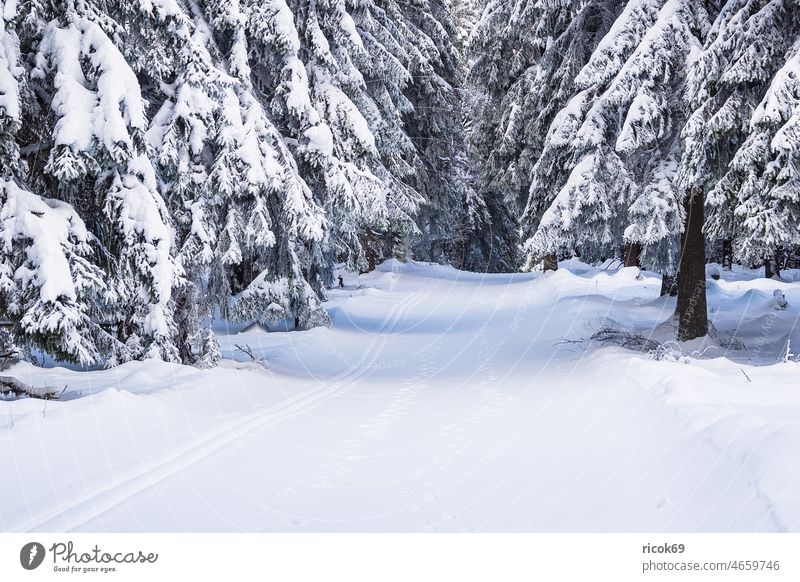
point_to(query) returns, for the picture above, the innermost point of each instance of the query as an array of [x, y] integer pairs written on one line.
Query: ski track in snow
[[438, 400], [101, 500], [88, 507]]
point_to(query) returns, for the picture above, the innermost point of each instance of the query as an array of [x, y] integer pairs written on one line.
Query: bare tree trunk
[[793, 258], [369, 241], [692, 306], [184, 344], [551, 263], [632, 253], [772, 265], [727, 254], [669, 285]]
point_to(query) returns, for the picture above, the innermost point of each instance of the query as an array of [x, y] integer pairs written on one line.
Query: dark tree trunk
[[669, 285], [692, 307], [370, 242], [551, 263], [727, 254], [184, 345], [631, 254], [792, 258], [772, 265]]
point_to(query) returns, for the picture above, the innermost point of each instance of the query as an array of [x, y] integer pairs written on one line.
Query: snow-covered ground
[[437, 400]]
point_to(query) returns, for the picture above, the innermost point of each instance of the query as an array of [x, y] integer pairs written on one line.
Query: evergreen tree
[[769, 192], [230, 181], [453, 211], [465, 14], [307, 55], [12, 83], [727, 146], [561, 98], [48, 284], [619, 139], [525, 56], [511, 59], [100, 160]]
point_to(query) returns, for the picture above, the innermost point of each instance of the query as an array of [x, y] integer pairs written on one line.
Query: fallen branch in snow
[[624, 339], [745, 375], [17, 388], [731, 343], [669, 351], [614, 262], [569, 341], [247, 350]]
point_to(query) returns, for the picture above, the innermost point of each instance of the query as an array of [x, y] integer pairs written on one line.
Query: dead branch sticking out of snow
[[625, 339], [15, 388], [247, 350]]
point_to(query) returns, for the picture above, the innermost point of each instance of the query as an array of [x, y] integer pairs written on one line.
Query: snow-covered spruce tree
[[453, 213], [465, 14], [99, 158], [385, 32], [486, 226], [728, 147], [306, 58], [508, 46], [551, 112], [185, 90], [48, 284], [249, 229], [11, 84], [623, 135], [415, 84], [589, 154], [498, 51], [366, 93], [524, 57], [769, 192]]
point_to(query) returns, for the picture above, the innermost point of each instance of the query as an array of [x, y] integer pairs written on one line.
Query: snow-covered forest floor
[[437, 400]]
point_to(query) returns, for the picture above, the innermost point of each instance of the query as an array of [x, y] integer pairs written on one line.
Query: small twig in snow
[[745, 375], [569, 341], [246, 349]]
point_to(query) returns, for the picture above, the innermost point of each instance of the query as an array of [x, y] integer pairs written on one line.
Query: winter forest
[[165, 163], [533, 245]]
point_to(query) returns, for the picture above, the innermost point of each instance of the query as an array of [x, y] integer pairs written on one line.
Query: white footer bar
[[400, 557]]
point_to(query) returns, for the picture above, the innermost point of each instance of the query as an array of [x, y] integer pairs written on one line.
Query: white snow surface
[[438, 400]]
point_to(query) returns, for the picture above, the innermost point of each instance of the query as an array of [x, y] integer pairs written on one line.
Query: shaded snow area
[[437, 400]]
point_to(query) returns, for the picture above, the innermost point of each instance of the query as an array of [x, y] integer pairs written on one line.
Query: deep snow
[[437, 400]]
